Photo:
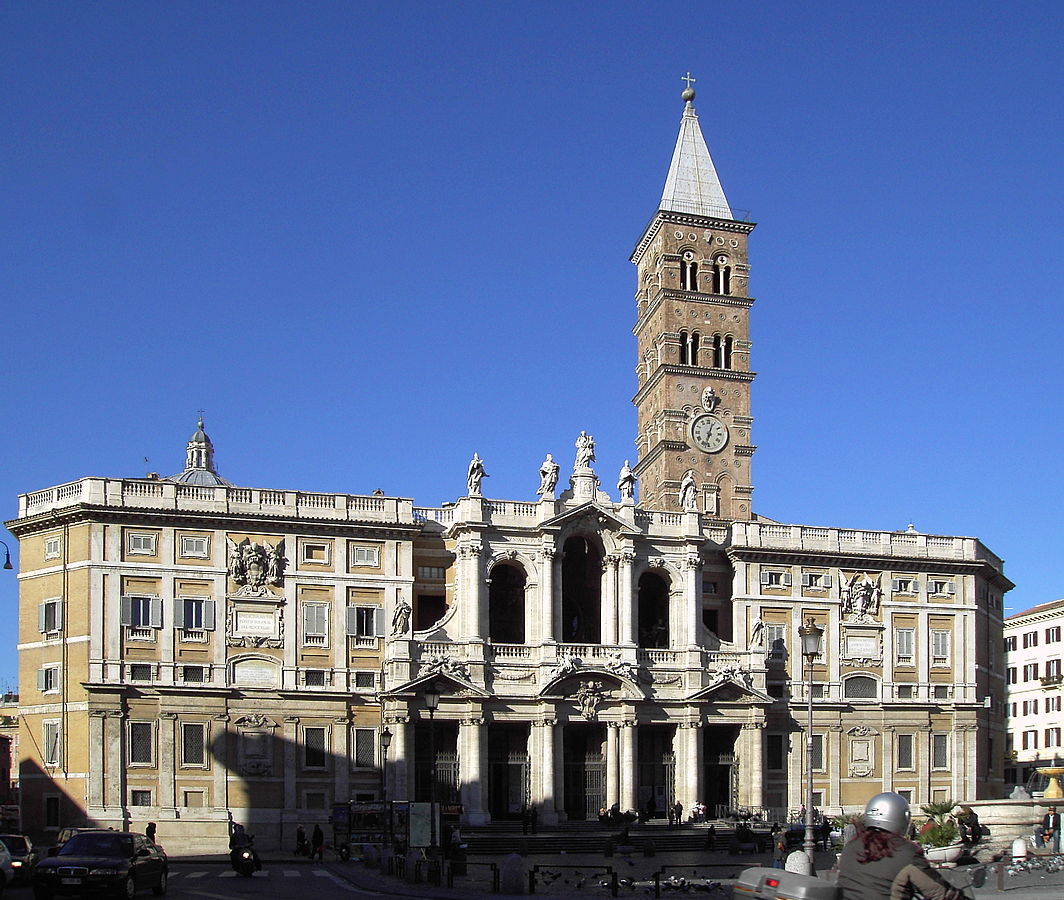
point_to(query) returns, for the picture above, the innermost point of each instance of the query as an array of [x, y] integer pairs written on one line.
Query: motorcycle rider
[[240, 840], [880, 862]]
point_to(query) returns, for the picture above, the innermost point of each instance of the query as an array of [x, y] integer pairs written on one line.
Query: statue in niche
[[585, 450], [688, 492], [400, 618], [626, 482], [475, 475], [861, 596], [548, 477]]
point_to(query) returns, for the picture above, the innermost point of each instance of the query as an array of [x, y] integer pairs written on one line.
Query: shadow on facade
[[52, 805]]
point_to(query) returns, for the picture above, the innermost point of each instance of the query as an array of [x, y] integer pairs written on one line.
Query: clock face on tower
[[709, 434]]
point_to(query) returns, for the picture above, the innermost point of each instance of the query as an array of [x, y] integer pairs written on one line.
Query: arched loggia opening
[[653, 611], [581, 592], [506, 605]]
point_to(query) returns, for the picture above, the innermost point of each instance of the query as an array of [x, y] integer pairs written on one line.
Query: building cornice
[[689, 372], [688, 220]]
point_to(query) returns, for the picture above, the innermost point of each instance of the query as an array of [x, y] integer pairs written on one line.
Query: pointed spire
[[692, 185], [199, 460]]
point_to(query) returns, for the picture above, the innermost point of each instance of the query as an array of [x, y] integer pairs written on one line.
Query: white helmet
[[888, 811]]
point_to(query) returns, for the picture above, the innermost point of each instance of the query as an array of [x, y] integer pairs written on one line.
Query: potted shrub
[[939, 835]]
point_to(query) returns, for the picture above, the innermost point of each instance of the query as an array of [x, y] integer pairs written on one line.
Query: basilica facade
[[196, 653]]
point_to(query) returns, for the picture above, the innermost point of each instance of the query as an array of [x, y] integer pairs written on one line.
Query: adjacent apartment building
[[194, 653], [1034, 651]]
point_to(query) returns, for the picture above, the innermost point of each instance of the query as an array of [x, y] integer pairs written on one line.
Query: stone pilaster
[[613, 764], [626, 615], [471, 737], [168, 761], [628, 766], [545, 614], [608, 612]]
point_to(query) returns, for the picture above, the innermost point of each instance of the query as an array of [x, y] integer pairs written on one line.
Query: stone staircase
[[591, 837]]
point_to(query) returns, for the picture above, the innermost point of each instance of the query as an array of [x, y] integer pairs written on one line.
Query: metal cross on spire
[[688, 78]]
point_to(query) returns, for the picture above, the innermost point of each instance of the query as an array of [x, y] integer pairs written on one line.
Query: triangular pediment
[[730, 690], [602, 516], [447, 683]]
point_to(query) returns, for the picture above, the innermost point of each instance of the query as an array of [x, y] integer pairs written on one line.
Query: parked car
[[113, 862], [7, 869], [65, 834], [23, 856]]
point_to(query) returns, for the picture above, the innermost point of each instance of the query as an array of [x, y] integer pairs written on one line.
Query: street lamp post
[[810, 634], [386, 742], [432, 703], [7, 556]]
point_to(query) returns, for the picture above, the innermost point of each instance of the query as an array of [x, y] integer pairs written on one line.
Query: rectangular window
[[314, 677], [1030, 740], [314, 748], [365, 747], [709, 588], [1053, 669], [51, 811], [904, 585], [193, 799], [314, 800], [905, 751], [906, 692], [53, 547], [315, 624], [775, 579], [48, 679], [1030, 672], [817, 581], [940, 751], [195, 546], [192, 674], [140, 798], [818, 752], [50, 616], [940, 588], [141, 740], [431, 573], [365, 680], [193, 744], [140, 543], [1052, 737], [1010, 643], [1030, 639], [315, 553], [140, 672], [940, 647], [194, 616], [141, 611], [365, 622], [1010, 675], [1053, 634], [774, 752], [904, 641], [776, 640], [51, 747], [940, 692], [366, 557]]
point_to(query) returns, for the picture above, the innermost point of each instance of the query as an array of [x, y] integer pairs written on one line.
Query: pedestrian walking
[[317, 844]]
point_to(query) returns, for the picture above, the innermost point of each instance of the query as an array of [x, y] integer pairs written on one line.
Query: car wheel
[[160, 888], [129, 888]]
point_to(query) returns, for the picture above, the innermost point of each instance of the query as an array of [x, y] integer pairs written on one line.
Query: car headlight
[[16, 864], [110, 872]]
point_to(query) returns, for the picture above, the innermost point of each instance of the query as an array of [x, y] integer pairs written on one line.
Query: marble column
[[470, 772], [545, 614], [613, 764], [542, 777], [399, 758], [693, 600], [626, 617], [751, 791], [608, 611], [628, 766]]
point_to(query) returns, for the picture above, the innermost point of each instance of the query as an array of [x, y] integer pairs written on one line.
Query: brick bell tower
[[692, 330]]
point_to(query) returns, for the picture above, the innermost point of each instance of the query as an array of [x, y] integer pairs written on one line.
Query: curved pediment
[[612, 685]]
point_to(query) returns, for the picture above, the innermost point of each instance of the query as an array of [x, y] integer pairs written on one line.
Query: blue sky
[[370, 239]]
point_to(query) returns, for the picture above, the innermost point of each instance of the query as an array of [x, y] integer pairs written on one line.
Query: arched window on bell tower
[[695, 340], [688, 271], [718, 352], [721, 275], [685, 349], [728, 342]]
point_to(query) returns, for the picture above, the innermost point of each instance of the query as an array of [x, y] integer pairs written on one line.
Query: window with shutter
[[903, 646], [315, 624], [940, 650], [50, 616], [51, 746]]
